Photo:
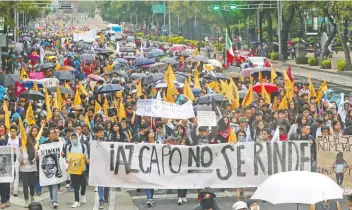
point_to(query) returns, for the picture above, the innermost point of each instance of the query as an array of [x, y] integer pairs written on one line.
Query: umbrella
[[185, 69], [152, 78], [149, 49], [130, 44], [270, 88], [67, 68], [298, 187], [121, 73], [266, 72], [121, 60], [137, 76], [63, 90], [9, 80], [49, 53], [89, 57], [242, 94], [211, 97], [177, 48], [72, 54], [119, 65], [129, 57], [45, 66], [155, 53], [109, 88], [89, 52], [163, 84], [63, 75], [126, 49], [158, 66], [32, 95], [197, 58], [171, 61], [95, 77], [144, 62], [181, 77], [215, 63], [187, 53]]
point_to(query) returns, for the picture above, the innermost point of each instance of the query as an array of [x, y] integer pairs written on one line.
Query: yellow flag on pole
[[29, 115], [49, 114], [23, 134], [7, 116]]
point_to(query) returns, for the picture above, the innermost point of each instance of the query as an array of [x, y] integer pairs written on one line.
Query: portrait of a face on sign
[[6, 164], [50, 166]]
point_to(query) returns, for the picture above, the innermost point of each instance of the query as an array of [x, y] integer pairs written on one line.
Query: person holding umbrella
[[326, 204]]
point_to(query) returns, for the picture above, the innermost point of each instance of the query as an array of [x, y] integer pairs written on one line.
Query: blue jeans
[[53, 189], [38, 188], [103, 193], [149, 193]]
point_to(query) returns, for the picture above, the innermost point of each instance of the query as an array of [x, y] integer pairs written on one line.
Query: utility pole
[[279, 26], [170, 18], [258, 25], [164, 17], [15, 28]]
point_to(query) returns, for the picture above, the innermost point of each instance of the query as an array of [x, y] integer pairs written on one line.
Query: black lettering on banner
[[154, 160], [292, 145], [279, 156], [141, 159], [206, 149], [270, 158], [240, 162], [112, 155], [257, 158], [303, 157], [227, 161], [170, 160], [196, 156], [164, 154], [128, 164]]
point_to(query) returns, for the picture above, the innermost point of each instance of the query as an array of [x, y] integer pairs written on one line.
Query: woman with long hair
[[117, 134], [28, 165], [224, 129], [258, 133]]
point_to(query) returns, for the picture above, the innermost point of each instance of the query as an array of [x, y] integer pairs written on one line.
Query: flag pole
[[225, 61]]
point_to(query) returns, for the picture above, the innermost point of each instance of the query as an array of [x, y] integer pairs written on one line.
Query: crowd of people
[[99, 101]]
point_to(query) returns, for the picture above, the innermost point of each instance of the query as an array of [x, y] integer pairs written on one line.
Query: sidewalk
[[310, 68]]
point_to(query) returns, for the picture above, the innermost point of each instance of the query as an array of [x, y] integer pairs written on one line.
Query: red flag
[[19, 88], [289, 73]]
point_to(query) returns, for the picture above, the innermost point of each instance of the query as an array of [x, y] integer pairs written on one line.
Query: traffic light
[[230, 7], [214, 8]]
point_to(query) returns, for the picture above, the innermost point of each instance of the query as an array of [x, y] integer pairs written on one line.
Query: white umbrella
[[162, 84], [298, 187], [215, 63]]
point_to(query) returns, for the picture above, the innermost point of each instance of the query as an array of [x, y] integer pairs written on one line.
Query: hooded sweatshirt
[[77, 148], [200, 206]]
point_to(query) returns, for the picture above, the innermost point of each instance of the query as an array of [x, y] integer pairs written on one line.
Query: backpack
[[83, 148]]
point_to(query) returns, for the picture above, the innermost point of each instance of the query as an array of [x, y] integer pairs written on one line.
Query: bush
[[313, 62], [326, 64], [268, 55], [219, 47], [301, 60], [275, 56], [341, 65], [139, 34]]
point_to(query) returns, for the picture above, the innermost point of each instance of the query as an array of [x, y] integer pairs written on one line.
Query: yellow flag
[[182, 59], [59, 97], [196, 52], [224, 87], [7, 116], [214, 86], [86, 120], [232, 137], [77, 101], [105, 106], [169, 95], [122, 111], [273, 75], [23, 73], [58, 66], [248, 99], [82, 90], [139, 89], [288, 86], [22, 134], [283, 103], [275, 104], [321, 92], [236, 100], [97, 107], [169, 76], [260, 77], [265, 95], [187, 91], [311, 86], [101, 38], [196, 78], [67, 86], [29, 115], [229, 91], [189, 78], [49, 114], [35, 86]]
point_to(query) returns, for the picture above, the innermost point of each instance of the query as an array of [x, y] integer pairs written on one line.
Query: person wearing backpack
[[15, 141], [77, 157]]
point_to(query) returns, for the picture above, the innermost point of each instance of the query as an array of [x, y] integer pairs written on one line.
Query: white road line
[[20, 200], [96, 201], [112, 198], [225, 194]]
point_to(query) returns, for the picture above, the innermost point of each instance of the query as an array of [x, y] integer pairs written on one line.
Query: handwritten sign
[[206, 118], [334, 159]]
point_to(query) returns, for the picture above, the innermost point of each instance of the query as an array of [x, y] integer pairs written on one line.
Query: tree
[[289, 11]]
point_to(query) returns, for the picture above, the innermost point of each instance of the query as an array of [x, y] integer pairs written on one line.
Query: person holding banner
[[15, 142], [207, 200], [4, 187]]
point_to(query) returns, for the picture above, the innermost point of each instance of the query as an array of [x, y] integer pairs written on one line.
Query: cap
[[238, 110], [239, 205], [243, 119]]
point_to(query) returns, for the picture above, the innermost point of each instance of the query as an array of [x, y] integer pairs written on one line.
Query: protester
[[207, 200], [239, 205], [35, 206], [327, 204]]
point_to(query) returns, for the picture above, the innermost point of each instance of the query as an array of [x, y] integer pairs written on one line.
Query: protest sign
[[88, 36], [206, 118], [76, 163], [157, 108], [334, 159], [6, 164], [52, 166], [163, 166]]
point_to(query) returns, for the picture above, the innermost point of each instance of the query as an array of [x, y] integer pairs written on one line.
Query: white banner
[[150, 166], [157, 108], [47, 82], [206, 118], [88, 36], [52, 166], [6, 164]]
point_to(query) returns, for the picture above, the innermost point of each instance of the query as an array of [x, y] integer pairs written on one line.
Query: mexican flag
[[229, 50]]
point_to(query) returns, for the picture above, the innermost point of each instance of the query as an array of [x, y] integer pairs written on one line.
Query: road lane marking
[[96, 201]]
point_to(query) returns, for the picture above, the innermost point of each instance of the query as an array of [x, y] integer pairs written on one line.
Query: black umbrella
[[89, 57], [171, 61], [211, 97], [137, 76], [121, 73], [45, 66], [32, 95], [63, 90], [109, 88], [181, 77], [266, 72], [9, 80], [197, 58], [152, 78], [63, 75], [185, 69]]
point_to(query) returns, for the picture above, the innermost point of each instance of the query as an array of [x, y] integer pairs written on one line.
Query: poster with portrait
[[334, 159], [6, 164], [52, 166], [76, 163]]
